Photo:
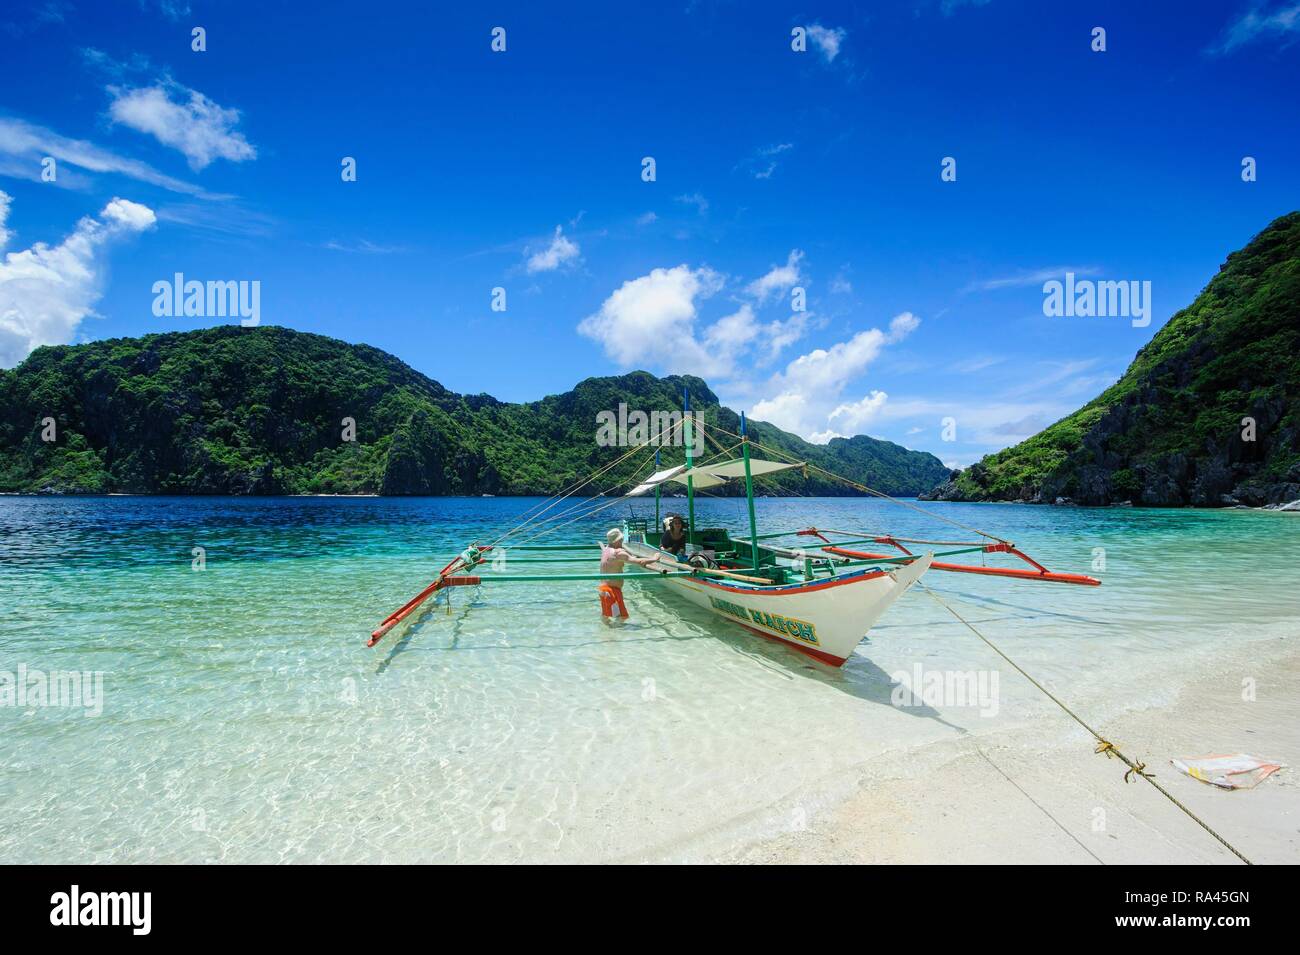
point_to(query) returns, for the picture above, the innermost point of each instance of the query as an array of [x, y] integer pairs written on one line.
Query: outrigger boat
[[820, 599]]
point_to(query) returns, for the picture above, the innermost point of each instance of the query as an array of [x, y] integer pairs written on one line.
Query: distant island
[[231, 410], [1208, 413]]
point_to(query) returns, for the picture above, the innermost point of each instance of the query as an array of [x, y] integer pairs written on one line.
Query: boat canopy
[[654, 480], [711, 475]]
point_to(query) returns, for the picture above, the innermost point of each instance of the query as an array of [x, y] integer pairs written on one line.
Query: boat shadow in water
[[859, 677]]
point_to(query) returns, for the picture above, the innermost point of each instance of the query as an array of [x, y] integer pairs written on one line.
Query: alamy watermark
[[659, 429], [63, 688], [1086, 298], [130, 909], [953, 688], [213, 299]]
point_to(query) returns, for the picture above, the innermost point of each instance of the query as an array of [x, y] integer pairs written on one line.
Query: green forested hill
[[1170, 431], [230, 410]]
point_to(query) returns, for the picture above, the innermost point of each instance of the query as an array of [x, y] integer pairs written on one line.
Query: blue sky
[[775, 169]]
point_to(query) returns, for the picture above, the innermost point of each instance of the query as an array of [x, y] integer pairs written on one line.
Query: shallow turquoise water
[[244, 720]]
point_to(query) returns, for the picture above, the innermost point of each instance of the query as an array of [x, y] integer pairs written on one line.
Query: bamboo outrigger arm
[[455, 574], [998, 547], [710, 571]]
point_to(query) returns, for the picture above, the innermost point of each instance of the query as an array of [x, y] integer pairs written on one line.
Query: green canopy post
[[657, 491], [749, 492], [690, 462]]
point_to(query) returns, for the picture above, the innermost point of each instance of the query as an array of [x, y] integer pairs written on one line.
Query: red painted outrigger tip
[[445, 579]]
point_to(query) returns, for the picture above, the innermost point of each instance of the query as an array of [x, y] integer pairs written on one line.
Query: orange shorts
[[611, 597]]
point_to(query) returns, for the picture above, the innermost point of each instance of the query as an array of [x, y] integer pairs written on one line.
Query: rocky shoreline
[[950, 491]]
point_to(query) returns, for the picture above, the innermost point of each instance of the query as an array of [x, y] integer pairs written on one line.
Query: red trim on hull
[[820, 656]]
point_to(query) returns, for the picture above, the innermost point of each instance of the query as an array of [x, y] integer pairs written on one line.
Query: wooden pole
[[749, 493], [690, 462], [657, 527]]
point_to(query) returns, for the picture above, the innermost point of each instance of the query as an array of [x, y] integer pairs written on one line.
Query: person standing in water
[[613, 556]]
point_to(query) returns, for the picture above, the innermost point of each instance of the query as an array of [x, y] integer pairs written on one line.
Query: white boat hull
[[825, 619]]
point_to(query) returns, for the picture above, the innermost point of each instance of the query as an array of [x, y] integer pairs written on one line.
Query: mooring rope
[[1135, 769]]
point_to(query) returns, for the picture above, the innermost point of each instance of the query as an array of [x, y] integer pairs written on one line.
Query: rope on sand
[[1136, 770]]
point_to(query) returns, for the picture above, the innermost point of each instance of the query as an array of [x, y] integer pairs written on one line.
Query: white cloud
[[127, 215], [902, 325], [363, 247], [734, 333], [653, 322], [778, 279], [100, 61], [225, 219], [841, 285], [827, 40], [763, 162], [1260, 23], [779, 334], [650, 321], [789, 411], [28, 145], [856, 415], [193, 124], [647, 218], [561, 251], [173, 10], [806, 397], [46, 291], [5, 200], [972, 365], [986, 423], [830, 369], [1056, 378], [1026, 278], [982, 425], [694, 199]]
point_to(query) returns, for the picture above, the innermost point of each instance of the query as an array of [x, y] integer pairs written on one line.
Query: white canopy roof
[[711, 475], [655, 480]]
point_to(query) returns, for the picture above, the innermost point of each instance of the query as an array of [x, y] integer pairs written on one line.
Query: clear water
[[243, 719]]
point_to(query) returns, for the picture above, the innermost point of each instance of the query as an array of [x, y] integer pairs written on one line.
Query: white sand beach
[[1017, 800]]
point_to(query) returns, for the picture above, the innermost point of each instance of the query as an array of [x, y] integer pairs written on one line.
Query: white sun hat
[[614, 536]]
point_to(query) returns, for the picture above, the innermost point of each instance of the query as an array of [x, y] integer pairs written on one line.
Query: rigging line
[[551, 530], [869, 490], [576, 512], [1104, 745], [582, 516], [575, 506], [587, 505], [535, 516], [555, 499], [567, 492], [588, 501], [901, 540]]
